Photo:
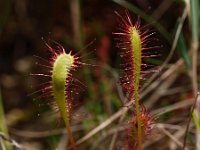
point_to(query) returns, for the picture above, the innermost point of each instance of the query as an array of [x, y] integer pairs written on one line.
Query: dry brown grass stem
[[174, 44], [171, 136]]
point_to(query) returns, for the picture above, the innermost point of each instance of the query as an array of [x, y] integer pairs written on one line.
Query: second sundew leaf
[[136, 54], [133, 41]]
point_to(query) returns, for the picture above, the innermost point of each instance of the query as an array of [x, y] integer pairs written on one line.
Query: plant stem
[[194, 10], [3, 126], [190, 117], [76, 22], [137, 109], [69, 133]]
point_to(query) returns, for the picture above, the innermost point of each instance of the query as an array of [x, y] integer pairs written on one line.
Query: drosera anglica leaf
[[61, 86], [133, 41]]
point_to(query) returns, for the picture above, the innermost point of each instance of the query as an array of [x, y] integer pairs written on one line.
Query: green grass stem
[[3, 125]]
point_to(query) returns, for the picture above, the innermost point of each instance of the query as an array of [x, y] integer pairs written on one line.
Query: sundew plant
[[133, 41], [135, 88], [59, 90]]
